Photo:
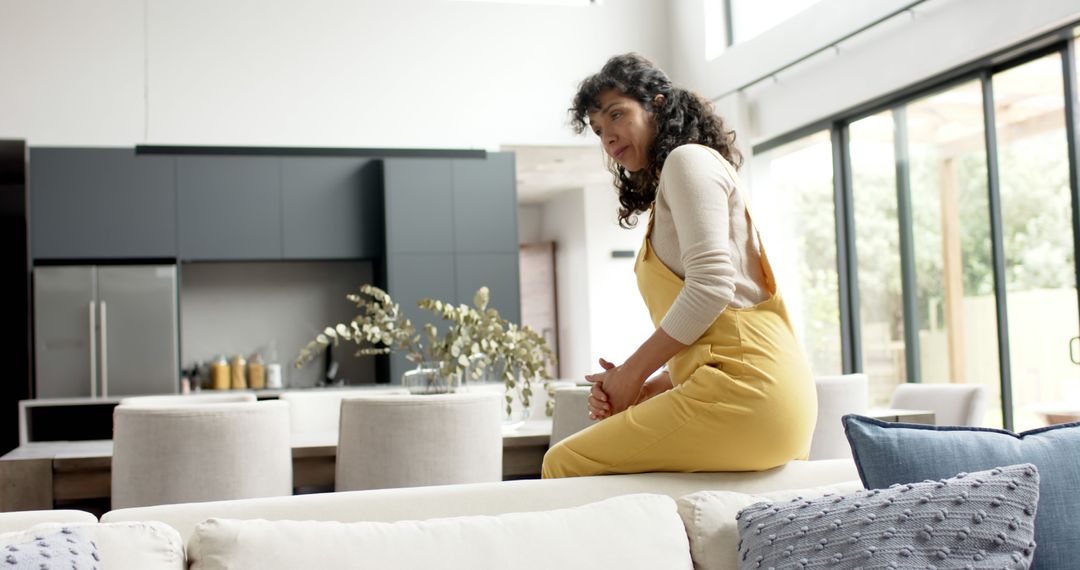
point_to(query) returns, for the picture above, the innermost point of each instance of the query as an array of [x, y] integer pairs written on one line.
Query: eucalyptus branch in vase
[[477, 339], [463, 347], [380, 328], [527, 357]]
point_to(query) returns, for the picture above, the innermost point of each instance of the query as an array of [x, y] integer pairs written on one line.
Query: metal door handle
[[104, 351], [1074, 341], [93, 350]]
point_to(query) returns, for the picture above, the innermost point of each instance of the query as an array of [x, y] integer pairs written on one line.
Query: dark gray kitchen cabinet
[[419, 205], [451, 227], [96, 203], [331, 208], [415, 276], [498, 272], [485, 204], [229, 208]]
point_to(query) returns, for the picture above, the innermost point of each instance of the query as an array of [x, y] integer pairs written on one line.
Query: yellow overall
[[743, 396]]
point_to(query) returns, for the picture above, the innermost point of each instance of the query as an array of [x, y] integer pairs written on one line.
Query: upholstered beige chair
[[952, 404], [540, 398], [205, 452], [571, 412], [319, 411], [837, 396], [412, 441], [537, 403], [188, 399]]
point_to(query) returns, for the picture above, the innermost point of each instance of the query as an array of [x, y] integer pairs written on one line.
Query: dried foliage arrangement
[[477, 341]]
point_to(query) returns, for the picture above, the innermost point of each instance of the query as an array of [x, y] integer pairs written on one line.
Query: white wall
[[700, 23], [73, 72], [941, 35], [619, 320], [530, 219], [367, 73], [563, 222], [601, 314]]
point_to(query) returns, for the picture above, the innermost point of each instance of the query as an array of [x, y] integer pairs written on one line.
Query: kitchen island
[[79, 419], [48, 474]]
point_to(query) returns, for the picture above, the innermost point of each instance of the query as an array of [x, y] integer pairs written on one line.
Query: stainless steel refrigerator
[[105, 330]]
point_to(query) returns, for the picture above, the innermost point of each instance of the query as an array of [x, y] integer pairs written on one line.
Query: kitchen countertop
[[97, 412], [269, 392], [100, 408]]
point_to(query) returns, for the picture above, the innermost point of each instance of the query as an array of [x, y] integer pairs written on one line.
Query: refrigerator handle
[[93, 350], [104, 351]]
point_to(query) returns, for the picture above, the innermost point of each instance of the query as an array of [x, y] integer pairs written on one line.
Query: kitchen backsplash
[[242, 307]]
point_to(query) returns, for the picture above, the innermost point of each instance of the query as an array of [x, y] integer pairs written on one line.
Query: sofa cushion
[[983, 520], [888, 453], [419, 503], [62, 548], [630, 532], [709, 517], [120, 546]]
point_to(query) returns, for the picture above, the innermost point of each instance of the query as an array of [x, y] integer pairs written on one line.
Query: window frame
[[1062, 41]]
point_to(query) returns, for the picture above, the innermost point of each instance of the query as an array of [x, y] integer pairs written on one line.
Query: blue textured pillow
[[65, 549], [889, 453], [979, 520]]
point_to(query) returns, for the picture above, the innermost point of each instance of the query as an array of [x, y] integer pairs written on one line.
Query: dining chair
[[204, 452], [952, 404], [571, 412], [318, 411], [837, 396], [189, 399], [538, 401], [412, 441]]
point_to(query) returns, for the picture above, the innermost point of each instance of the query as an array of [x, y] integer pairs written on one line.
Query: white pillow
[[628, 532], [709, 517], [122, 545]]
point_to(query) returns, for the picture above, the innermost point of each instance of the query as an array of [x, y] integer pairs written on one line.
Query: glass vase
[[428, 378], [476, 373], [515, 412]]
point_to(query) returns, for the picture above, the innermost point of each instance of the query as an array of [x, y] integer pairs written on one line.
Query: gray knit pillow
[[978, 520], [65, 549]]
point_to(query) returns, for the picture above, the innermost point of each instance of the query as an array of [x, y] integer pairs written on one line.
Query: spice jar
[[238, 368], [256, 372], [273, 369], [219, 373]]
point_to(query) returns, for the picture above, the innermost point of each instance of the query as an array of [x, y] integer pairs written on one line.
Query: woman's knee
[[555, 462]]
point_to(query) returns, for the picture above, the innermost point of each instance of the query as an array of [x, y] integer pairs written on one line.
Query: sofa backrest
[[418, 503], [636, 532]]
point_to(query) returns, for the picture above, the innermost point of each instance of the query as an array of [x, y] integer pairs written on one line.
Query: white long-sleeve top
[[701, 232]]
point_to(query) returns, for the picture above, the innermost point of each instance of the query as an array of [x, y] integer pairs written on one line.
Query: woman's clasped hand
[[617, 388]]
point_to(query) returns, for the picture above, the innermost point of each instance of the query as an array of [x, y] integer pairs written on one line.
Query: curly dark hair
[[682, 117]]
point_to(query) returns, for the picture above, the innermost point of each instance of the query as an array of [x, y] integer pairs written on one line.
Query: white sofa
[[649, 520]]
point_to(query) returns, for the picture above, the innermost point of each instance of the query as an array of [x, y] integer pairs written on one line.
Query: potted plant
[[477, 343]]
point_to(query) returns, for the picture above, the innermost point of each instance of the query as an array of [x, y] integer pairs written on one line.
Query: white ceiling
[[543, 171]]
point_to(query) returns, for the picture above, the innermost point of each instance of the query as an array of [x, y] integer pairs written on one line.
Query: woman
[[737, 394]]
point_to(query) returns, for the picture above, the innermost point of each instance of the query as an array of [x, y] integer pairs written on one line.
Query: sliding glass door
[[954, 307], [1037, 235], [955, 247], [872, 152], [793, 197]]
